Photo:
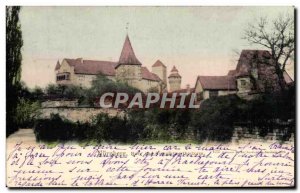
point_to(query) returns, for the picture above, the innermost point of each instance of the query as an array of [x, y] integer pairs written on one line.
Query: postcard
[[150, 97]]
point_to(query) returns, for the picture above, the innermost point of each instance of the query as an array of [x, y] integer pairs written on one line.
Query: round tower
[[174, 80], [128, 69]]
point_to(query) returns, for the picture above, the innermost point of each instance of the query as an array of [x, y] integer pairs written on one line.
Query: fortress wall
[[81, 114]]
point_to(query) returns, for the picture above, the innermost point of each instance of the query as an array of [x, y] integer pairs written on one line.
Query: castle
[[254, 73], [128, 69]]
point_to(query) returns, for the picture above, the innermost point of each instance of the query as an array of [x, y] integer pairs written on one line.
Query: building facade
[[128, 69], [255, 73]]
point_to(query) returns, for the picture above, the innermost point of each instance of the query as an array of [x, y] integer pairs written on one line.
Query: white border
[[113, 3]]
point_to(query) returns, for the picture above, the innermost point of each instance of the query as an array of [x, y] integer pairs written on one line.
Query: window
[[243, 82], [63, 76]]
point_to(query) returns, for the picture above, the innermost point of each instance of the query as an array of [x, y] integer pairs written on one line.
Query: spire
[[174, 73], [174, 69], [57, 65], [127, 54]]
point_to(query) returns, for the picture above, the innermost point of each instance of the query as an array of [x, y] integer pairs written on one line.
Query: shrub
[[26, 113], [59, 129], [110, 128], [214, 120], [103, 85]]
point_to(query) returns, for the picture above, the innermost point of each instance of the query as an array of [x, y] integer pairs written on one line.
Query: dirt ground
[[22, 135]]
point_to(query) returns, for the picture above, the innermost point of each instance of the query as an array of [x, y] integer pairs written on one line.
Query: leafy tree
[[14, 43], [37, 93], [103, 85], [214, 120], [27, 112], [53, 89]]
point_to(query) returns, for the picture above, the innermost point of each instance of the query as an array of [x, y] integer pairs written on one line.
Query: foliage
[[59, 129], [270, 110], [14, 44], [214, 120], [88, 96], [26, 113], [68, 92], [102, 85]]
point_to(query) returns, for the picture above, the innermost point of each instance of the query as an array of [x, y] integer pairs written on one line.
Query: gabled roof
[[217, 82], [107, 68], [127, 55], [184, 90], [249, 58], [57, 65], [231, 72], [158, 63], [146, 74], [93, 67]]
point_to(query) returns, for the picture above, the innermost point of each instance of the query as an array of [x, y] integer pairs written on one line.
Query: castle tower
[[128, 68], [160, 70], [174, 80]]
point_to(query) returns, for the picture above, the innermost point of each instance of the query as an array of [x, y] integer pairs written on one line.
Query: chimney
[[188, 89], [80, 59]]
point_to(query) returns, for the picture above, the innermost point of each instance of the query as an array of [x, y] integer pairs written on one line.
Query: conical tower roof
[[174, 69], [174, 73], [127, 54]]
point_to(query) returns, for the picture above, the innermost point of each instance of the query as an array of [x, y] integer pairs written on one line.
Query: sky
[[197, 40]]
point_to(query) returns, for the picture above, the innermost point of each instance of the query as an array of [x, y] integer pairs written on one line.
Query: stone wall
[[81, 114], [59, 103]]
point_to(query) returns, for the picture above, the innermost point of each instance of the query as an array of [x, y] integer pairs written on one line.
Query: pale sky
[[197, 40]]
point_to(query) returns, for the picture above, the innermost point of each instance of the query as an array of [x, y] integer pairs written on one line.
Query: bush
[[59, 129], [26, 113], [214, 120], [269, 111], [110, 128], [103, 85]]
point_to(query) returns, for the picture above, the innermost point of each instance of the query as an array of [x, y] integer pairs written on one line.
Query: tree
[[14, 44], [278, 37]]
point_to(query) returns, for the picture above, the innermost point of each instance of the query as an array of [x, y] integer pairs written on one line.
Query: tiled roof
[[107, 68], [184, 90], [158, 63], [92, 66], [146, 74], [231, 72], [127, 55], [249, 58], [57, 65], [174, 69], [217, 82], [174, 73]]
